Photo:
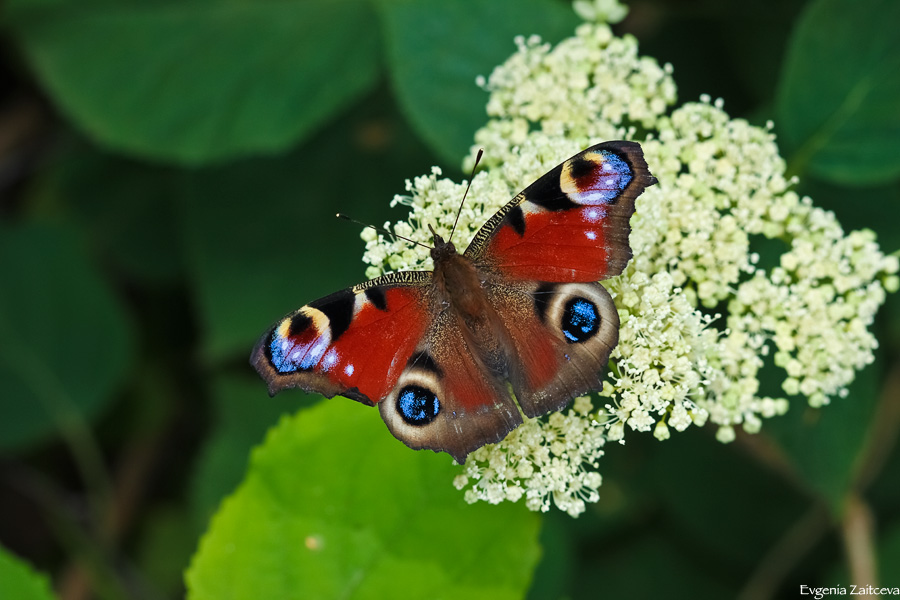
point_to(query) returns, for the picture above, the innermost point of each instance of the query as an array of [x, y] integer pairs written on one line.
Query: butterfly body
[[521, 307]]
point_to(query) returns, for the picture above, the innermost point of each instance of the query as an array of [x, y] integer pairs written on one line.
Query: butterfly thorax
[[457, 284]]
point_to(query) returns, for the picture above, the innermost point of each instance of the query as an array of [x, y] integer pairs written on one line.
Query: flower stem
[[857, 534]]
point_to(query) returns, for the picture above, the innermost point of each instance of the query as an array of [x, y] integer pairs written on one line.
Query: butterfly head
[[442, 250]]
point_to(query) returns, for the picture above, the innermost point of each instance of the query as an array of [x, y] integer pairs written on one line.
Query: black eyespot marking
[[546, 193], [542, 297], [580, 321], [299, 324], [375, 295], [418, 405], [580, 167], [267, 347], [423, 360], [338, 307], [517, 220]]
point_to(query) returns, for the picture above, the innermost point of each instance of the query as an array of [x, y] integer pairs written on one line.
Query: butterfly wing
[[385, 342], [560, 339], [572, 223], [353, 342], [448, 398], [541, 256]]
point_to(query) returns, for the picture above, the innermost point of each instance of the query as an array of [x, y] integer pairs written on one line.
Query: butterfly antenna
[[381, 230], [462, 203]]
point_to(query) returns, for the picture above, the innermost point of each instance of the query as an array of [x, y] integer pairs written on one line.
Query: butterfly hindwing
[[447, 398], [562, 335], [572, 223]]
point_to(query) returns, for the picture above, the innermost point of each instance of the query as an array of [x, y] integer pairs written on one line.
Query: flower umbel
[[722, 189]]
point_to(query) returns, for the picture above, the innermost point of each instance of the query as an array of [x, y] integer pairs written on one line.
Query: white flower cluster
[[663, 362], [547, 459], [721, 189]]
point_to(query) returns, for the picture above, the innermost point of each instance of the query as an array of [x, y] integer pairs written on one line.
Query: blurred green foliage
[[19, 581], [169, 175]]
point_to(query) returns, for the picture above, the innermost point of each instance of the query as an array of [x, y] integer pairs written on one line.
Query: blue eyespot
[[288, 356], [418, 405], [580, 320], [615, 175]]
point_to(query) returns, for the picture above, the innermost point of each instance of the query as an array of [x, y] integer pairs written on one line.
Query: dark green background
[[169, 172]]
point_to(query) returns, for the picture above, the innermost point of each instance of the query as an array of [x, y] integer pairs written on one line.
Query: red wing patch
[[559, 246], [373, 351], [354, 342], [571, 225]]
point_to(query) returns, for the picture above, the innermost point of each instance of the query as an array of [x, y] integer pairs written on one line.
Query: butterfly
[[438, 350]]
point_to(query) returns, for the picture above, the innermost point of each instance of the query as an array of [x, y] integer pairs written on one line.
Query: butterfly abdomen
[[459, 289]]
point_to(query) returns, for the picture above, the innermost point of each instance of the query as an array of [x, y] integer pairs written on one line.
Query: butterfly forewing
[[571, 225], [353, 342]]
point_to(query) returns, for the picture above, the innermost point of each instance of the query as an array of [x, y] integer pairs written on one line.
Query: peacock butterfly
[[435, 349]]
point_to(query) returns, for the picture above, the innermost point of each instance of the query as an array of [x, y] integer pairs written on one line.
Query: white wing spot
[[330, 359], [348, 370]]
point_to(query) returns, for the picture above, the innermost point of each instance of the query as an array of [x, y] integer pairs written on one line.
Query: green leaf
[[126, 207], [18, 580], [558, 567], [256, 238], [66, 343], [889, 557], [334, 507], [436, 49], [826, 445], [837, 103], [164, 548], [243, 413], [648, 565], [195, 81], [261, 236], [715, 515]]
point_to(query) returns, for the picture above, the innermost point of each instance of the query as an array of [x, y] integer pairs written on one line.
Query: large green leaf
[[889, 557], [126, 207], [198, 80], [261, 235], [837, 104], [826, 445], [20, 582], [167, 540], [66, 343], [715, 514], [243, 413], [648, 565], [436, 49], [334, 507]]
